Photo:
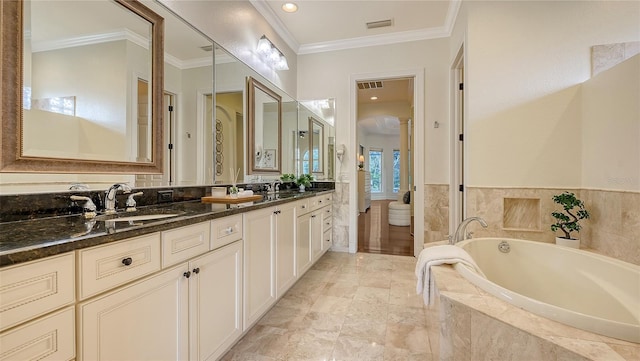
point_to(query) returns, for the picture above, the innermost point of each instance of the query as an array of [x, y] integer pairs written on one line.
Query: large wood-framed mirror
[[140, 88], [316, 141], [264, 106]]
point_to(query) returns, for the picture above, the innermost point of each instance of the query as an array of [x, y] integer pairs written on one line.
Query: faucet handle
[[469, 235], [131, 202], [89, 208]]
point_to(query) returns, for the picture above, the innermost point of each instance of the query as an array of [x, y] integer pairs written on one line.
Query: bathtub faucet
[[461, 231]]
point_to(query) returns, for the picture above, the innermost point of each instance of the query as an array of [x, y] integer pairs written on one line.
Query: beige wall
[[524, 62], [611, 128]]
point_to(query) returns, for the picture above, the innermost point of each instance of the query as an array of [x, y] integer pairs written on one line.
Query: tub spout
[[461, 231]]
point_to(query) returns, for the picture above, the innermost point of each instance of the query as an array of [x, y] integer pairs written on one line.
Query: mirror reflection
[[265, 115], [317, 145], [88, 83]]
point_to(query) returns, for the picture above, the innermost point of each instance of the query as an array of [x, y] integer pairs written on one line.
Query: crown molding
[[124, 34], [374, 40]]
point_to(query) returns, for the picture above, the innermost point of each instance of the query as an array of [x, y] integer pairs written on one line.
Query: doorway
[[457, 166], [413, 155]]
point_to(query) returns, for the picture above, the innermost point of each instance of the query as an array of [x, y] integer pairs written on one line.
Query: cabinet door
[[147, 320], [303, 243], [286, 272], [215, 302], [259, 261], [316, 235]]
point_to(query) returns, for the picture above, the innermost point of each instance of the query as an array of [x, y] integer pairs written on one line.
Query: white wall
[[326, 75], [524, 62], [611, 128]]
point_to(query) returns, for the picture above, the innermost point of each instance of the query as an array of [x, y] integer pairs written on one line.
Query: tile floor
[[347, 307]]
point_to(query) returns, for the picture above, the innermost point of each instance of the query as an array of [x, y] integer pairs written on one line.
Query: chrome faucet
[[110, 198], [461, 231], [274, 186]]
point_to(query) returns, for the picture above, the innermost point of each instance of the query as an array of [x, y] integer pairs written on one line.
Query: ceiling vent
[[379, 24], [369, 84]]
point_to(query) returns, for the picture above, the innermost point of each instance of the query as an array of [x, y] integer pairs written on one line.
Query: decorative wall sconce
[[271, 55], [361, 162]]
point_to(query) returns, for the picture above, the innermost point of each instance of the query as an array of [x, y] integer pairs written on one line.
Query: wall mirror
[[106, 83], [264, 128], [317, 145]]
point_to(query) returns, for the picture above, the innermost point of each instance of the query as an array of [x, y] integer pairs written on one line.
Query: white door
[[215, 301], [147, 320], [316, 235]]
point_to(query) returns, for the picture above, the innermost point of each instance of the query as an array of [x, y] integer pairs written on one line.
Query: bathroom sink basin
[[143, 217]]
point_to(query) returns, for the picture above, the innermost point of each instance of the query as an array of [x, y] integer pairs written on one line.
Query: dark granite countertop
[[23, 241]]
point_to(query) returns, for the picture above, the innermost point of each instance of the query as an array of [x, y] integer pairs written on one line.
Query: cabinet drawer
[[226, 230], [49, 338], [185, 242], [327, 239], [302, 207], [327, 223], [35, 288], [327, 199], [105, 267]]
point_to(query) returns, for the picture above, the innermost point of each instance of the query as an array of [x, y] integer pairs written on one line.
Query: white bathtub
[[578, 288]]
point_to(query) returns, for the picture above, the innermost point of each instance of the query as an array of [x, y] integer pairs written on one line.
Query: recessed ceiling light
[[290, 7], [374, 98]]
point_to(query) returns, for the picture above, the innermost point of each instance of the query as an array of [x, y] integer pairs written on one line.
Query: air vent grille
[[379, 24], [369, 84]]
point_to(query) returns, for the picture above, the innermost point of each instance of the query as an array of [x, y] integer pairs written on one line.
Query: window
[[375, 167], [396, 171]]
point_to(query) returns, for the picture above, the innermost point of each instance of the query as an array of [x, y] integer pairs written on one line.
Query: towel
[[435, 256]]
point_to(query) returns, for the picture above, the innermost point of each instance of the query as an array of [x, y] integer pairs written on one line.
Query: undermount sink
[[144, 217]]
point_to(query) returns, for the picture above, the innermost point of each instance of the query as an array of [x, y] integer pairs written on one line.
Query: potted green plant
[[304, 181], [567, 221], [288, 180]]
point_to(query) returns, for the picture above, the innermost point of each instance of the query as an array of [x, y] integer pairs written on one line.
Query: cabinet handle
[[187, 274], [313, 216], [229, 230], [196, 270], [303, 207], [127, 261]]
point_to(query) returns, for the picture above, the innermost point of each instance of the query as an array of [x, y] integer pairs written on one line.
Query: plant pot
[[565, 242], [301, 188]]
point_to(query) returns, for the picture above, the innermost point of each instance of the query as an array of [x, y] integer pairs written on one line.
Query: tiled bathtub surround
[[612, 230], [478, 326]]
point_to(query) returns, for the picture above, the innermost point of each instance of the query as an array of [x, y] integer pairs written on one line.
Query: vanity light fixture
[[290, 7], [374, 98], [271, 55]]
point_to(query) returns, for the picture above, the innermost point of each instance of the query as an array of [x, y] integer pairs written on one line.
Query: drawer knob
[[127, 261], [229, 230], [196, 270], [187, 274]]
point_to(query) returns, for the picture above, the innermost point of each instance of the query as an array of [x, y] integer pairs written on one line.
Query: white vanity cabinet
[[286, 272], [145, 320], [189, 311], [315, 235], [314, 231], [215, 302], [37, 320]]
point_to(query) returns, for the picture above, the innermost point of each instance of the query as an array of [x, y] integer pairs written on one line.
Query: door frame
[[457, 166], [418, 161]]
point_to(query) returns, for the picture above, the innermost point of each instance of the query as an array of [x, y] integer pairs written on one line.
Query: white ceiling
[[320, 26]]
